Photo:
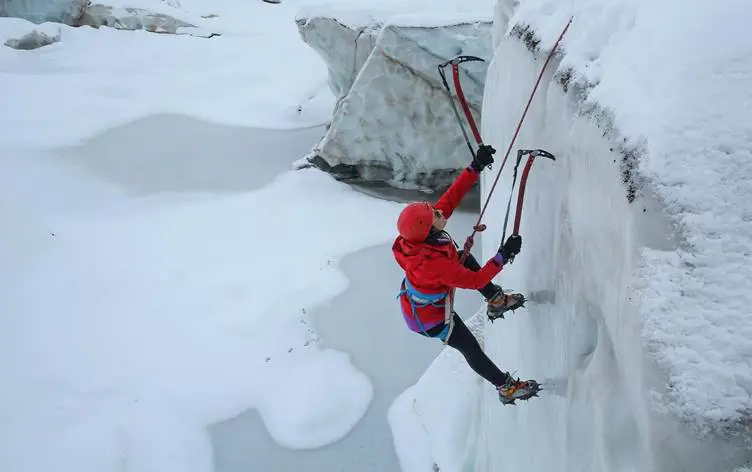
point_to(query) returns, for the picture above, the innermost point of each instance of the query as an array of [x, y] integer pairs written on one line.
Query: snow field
[[134, 322], [234, 79], [186, 311]]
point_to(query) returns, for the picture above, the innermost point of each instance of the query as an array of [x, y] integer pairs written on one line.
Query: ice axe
[[532, 154], [461, 96]]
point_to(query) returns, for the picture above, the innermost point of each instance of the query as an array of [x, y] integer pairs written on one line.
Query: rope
[[449, 305], [477, 227]]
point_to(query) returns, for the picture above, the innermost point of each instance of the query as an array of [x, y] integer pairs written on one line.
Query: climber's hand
[[483, 158], [511, 247]]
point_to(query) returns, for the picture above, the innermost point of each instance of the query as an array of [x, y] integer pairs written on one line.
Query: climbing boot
[[502, 302], [512, 390]]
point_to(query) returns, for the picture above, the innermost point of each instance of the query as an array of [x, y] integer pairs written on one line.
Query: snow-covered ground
[[135, 322], [159, 268]]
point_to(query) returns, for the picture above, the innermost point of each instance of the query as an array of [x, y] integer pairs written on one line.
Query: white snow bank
[[676, 78], [160, 317], [225, 80]]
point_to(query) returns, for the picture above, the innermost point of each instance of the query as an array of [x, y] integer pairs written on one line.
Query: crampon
[[496, 309], [513, 390]]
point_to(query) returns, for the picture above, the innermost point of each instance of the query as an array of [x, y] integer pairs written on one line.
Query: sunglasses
[[437, 213]]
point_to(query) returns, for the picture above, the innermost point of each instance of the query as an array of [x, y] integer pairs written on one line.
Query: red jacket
[[433, 269]]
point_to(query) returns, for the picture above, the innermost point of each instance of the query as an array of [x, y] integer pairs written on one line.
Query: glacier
[[633, 246]]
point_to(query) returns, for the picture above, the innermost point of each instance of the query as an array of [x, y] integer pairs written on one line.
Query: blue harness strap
[[419, 299], [444, 333]]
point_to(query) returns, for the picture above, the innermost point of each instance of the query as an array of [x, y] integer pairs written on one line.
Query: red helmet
[[415, 221]]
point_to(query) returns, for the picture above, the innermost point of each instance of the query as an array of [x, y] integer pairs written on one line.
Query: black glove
[[483, 158], [511, 247]]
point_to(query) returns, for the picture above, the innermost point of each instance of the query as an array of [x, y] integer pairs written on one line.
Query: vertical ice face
[[595, 233], [577, 262]]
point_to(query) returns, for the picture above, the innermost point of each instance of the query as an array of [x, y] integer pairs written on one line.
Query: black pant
[[464, 341]]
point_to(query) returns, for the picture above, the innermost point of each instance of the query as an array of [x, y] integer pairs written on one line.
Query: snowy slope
[[132, 319]]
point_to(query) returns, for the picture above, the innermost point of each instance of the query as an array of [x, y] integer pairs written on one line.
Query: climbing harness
[[419, 299]]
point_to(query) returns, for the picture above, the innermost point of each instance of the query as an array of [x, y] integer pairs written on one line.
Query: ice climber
[[433, 268]]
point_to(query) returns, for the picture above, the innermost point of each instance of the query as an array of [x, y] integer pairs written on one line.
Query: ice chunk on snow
[[387, 61], [40, 11], [15, 28], [32, 40]]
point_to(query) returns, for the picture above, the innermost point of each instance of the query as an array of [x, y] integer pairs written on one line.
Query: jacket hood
[[410, 255]]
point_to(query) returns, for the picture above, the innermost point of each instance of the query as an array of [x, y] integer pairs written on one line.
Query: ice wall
[[586, 222], [581, 246], [589, 220]]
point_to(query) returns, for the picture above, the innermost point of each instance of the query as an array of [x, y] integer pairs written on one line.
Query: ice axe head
[[535, 153], [542, 153], [460, 60]]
